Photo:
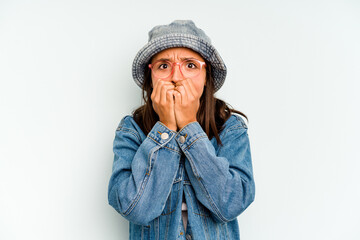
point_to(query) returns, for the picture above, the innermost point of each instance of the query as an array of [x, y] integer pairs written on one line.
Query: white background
[[65, 71]]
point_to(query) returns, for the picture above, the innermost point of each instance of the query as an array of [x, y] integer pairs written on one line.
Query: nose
[[177, 75]]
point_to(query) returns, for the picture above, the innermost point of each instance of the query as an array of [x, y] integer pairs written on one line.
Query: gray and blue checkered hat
[[180, 33]]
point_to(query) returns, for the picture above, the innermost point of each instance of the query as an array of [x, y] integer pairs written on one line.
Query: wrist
[[170, 126], [186, 123]]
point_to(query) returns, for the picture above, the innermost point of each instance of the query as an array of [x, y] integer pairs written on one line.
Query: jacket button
[[164, 136], [181, 233], [182, 139]]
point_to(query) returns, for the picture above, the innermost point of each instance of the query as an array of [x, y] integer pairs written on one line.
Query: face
[[177, 55]]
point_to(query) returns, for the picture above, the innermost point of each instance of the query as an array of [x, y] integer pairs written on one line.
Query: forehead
[[177, 53]]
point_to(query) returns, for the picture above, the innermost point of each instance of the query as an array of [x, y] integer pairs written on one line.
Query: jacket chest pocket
[[173, 198]]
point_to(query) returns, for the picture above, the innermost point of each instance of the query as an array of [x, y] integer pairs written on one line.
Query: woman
[[182, 166]]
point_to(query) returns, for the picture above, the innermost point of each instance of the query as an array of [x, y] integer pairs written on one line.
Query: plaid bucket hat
[[179, 33]]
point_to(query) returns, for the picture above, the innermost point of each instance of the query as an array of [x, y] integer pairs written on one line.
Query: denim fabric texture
[[150, 175]]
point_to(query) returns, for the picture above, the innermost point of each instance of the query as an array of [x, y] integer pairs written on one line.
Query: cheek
[[153, 80], [199, 85]]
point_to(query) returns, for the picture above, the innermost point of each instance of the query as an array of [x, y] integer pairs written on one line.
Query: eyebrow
[[182, 59]]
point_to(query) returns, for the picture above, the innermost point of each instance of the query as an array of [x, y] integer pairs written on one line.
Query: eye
[[163, 66], [191, 65]]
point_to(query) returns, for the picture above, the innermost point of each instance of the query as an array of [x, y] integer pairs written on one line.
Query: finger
[[190, 88], [164, 89], [181, 89], [158, 90], [177, 97], [170, 96]]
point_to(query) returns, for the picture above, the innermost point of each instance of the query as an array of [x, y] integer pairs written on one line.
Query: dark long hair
[[212, 113]]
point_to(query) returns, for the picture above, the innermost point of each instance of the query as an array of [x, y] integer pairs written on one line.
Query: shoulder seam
[[239, 123], [123, 126], [131, 131]]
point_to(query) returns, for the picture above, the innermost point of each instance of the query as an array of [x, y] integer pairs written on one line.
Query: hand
[[187, 102], [163, 103]]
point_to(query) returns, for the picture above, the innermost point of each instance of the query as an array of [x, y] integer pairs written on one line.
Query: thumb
[[170, 96], [177, 97]]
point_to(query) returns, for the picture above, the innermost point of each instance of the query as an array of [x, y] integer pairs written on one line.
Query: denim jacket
[[150, 175]]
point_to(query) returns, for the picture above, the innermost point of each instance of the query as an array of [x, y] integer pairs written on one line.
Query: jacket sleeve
[[223, 181], [143, 172]]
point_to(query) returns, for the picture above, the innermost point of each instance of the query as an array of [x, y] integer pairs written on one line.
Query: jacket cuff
[[189, 134], [163, 136]]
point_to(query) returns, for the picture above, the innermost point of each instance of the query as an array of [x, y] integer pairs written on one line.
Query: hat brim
[[205, 49]]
